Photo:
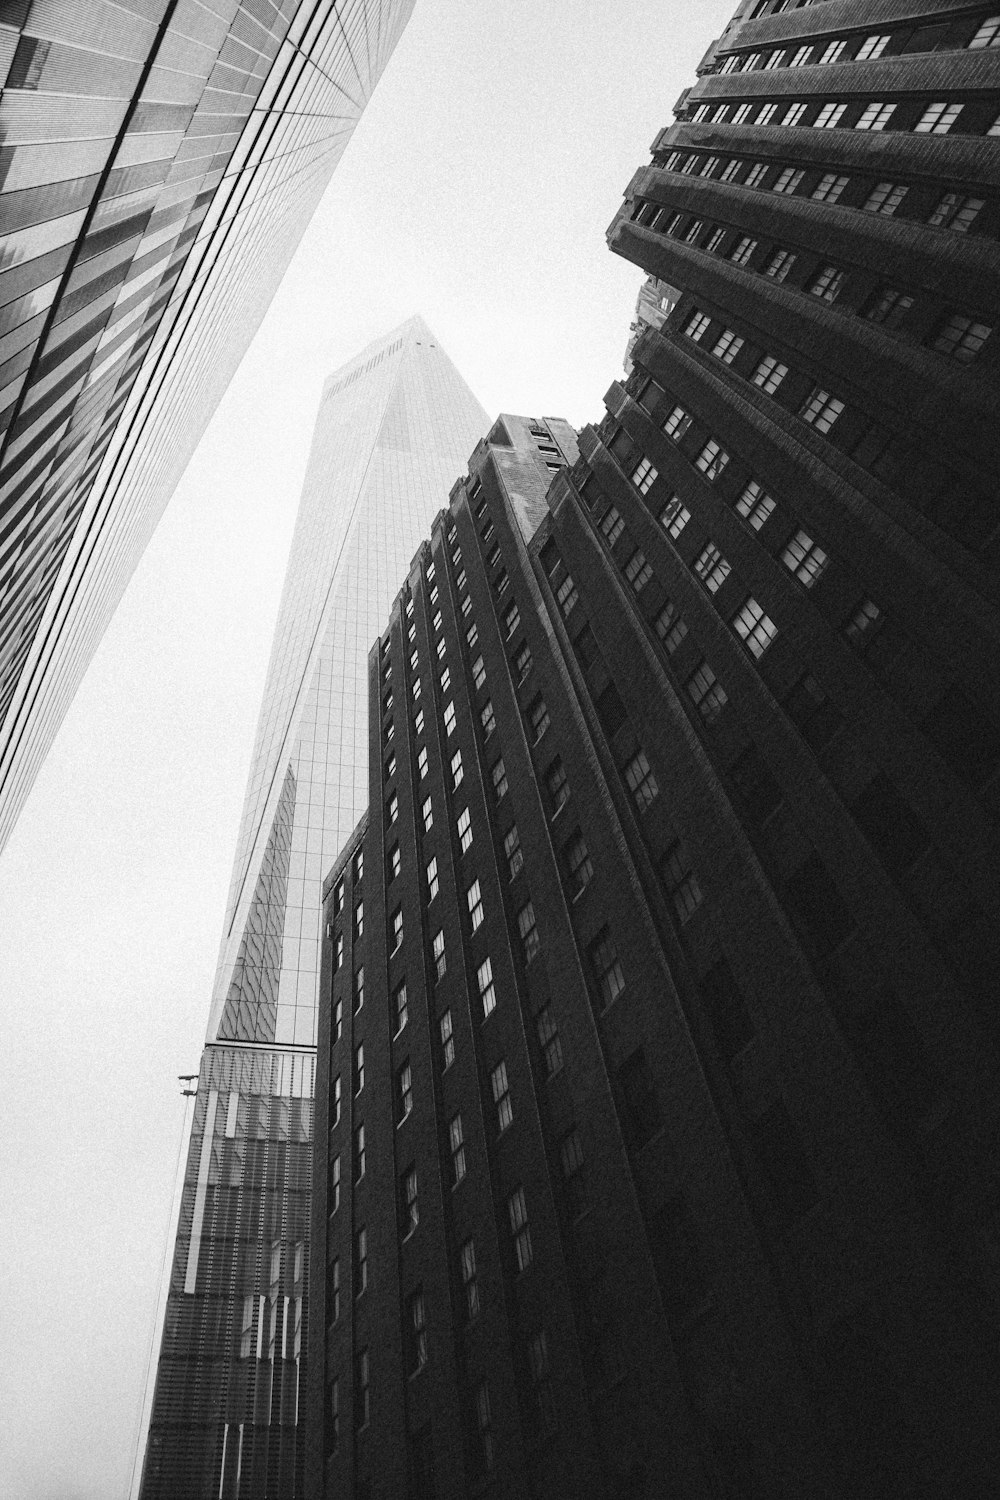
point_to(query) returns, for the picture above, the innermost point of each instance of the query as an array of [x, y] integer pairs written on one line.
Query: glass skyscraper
[[159, 161], [393, 430]]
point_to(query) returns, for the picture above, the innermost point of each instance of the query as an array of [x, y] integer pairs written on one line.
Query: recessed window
[[487, 987], [447, 1040], [360, 1262], [498, 775], [339, 950], [885, 198], [714, 241], [362, 1391], [501, 1097], [754, 504], [335, 1109], [456, 771], [409, 1201], [438, 955], [829, 187], [727, 346], [422, 762], [827, 283], [644, 477], [832, 51], [757, 173], [470, 1284], [335, 1184], [433, 884], [579, 869], [937, 119], [488, 719], [957, 212], [788, 180], [397, 928], [404, 1092], [522, 663], [512, 849], [712, 459], [805, 559], [829, 116], [612, 525], [988, 34], [427, 813], [338, 1019], [888, 307], [638, 571], [961, 337], [436, 622], [567, 596], [512, 619], [696, 325], [449, 718], [872, 46], [742, 251], [767, 114], [820, 409], [557, 786], [464, 827], [574, 1175], [484, 1428], [706, 692], [863, 625], [875, 116], [538, 718], [392, 809], [677, 423], [712, 568], [528, 929], [670, 628], [359, 1067], [359, 920], [681, 883], [793, 114], [548, 1041], [755, 629], [442, 647], [418, 721], [779, 264], [399, 1006], [606, 967], [769, 374], [456, 1142], [359, 989], [472, 635], [479, 673], [517, 1211], [474, 898]]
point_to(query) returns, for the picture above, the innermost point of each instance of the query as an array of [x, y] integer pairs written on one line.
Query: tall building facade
[[659, 1047], [160, 162], [227, 1415]]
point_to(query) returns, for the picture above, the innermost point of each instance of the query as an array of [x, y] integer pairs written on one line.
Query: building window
[[872, 46], [416, 1328], [433, 884], [359, 1067], [438, 954], [885, 198], [670, 628], [335, 1112], [456, 770], [335, 1184], [392, 810], [742, 251], [334, 1297], [404, 1092], [820, 409], [479, 672], [499, 775], [359, 920], [519, 1228], [641, 1115], [769, 374], [681, 883], [638, 571], [394, 862], [397, 928], [612, 525], [641, 781], [606, 967], [961, 337], [541, 1383], [571, 1160], [466, 607], [754, 504], [804, 559], [501, 1096], [548, 1041], [755, 629], [644, 477], [937, 119], [488, 719], [888, 307], [487, 987], [522, 663], [418, 721], [447, 1041], [446, 679], [360, 1262], [757, 173], [427, 813], [512, 849], [727, 346], [780, 264], [338, 1019], [416, 688], [472, 635], [528, 929], [399, 1005], [711, 567], [456, 1142], [464, 827], [863, 624], [712, 459], [957, 212], [484, 1427], [449, 718], [696, 325], [501, 581], [557, 785], [677, 423], [788, 180], [474, 897], [340, 949], [567, 596], [338, 898], [578, 866], [359, 988], [829, 116], [715, 240], [674, 517], [538, 718], [362, 1392], [470, 1285], [512, 619], [827, 283], [441, 648], [875, 116], [706, 692], [829, 187]]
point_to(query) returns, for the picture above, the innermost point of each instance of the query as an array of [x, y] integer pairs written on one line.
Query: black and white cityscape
[[600, 1088]]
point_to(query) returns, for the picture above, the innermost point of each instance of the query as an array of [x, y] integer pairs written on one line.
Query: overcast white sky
[[476, 192]]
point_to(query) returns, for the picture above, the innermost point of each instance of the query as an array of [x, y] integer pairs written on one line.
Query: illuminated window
[[520, 1231], [456, 1141], [706, 692], [501, 1097], [548, 1041], [528, 929], [487, 987], [820, 409], [875, 116], [937, 119], [755, 629], [803, 558], [474, 897]]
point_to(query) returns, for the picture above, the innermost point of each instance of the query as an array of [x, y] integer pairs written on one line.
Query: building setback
[[161, 159], [227, 1414]]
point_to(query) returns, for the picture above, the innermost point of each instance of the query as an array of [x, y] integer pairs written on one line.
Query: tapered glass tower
[[393, 430], [160, 160]]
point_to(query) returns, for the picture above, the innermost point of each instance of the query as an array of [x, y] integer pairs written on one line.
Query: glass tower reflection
[[159, 161], [393, 431]]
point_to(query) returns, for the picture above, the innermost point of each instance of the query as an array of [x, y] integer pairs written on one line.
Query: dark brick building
[[667, 1164]]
